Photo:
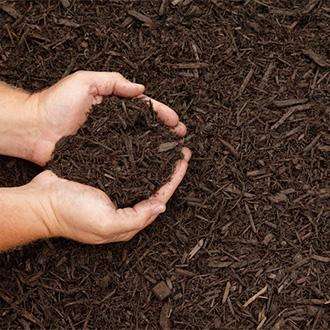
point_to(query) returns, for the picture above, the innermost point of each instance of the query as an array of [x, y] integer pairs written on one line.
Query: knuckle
[[128, 238], [79, 74], [117, 75]]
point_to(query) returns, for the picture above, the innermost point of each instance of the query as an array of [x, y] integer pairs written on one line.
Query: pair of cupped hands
[[77, 211]]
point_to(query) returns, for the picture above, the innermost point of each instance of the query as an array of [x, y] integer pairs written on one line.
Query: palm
[[91, 206]]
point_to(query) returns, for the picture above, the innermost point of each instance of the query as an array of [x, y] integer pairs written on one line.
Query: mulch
[[121, 149], [244, 243]]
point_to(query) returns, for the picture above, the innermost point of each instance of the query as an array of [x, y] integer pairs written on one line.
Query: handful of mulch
[[122, 149]]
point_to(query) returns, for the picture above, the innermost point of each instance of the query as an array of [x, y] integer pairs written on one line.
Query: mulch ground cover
[[244, 243]]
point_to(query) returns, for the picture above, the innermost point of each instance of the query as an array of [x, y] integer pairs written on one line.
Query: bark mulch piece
[[244, 243], [121, 149]]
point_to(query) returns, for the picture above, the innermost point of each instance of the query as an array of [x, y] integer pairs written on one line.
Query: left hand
[[63, 108], [42, 119]]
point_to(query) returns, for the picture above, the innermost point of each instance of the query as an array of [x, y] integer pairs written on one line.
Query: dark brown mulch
[[251, 81], [121, 149]]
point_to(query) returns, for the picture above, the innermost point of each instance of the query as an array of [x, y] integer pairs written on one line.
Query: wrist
[[20, 126], [23, 216]]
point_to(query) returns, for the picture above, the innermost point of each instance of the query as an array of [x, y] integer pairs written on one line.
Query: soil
[[244, 243], [122, 150]]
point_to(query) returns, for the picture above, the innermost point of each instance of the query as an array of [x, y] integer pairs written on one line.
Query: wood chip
[[161, 290], [30, 317], [324, 192], [271, 66], [162, 8], [298, 264], [196, 248], [244, 263], [143, 18], [164, 319], [305, 11], [324, 148], [278, 198], [320, 258], [261, 324], [256, 296], [310, 146], [176, 2], [167, 146], [250, 218], [313, 302], [232, 189], [293, 131], [226, 293], [299, 107], [127, 21], [246, 81], [289, 102], [219, 264], [270, 224], [316, 58], [310, 6], [254, 173], [197, 65], [268, 238], [65, 3], [184, 272], [230, 147], [11, 11], [67, 22]]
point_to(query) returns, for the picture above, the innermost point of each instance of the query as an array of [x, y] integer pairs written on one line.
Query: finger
[[166, 191], [137, 217], [180, 129], [165, 114], [128, 236], [110, 83]]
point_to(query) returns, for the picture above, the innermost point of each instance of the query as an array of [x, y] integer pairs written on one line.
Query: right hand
[[86, 214]]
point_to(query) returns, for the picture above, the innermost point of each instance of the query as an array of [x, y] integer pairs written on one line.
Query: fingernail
[[139, 85], [160, 209]]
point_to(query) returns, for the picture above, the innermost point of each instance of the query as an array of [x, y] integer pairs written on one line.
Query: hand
[[86, 214], [63, 108]]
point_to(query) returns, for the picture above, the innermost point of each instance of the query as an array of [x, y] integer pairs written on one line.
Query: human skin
[[49, 206]]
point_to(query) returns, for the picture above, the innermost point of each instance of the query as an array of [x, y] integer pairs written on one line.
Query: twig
[[256, 296], [316, 58], [226, 292], [312, 144], [291, 110], [246, 81], [267, 74], [198, 65], [143, 18], [290, 102], [250, 218]]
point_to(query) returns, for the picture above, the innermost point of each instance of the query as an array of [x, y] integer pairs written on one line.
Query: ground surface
[[255, 202]]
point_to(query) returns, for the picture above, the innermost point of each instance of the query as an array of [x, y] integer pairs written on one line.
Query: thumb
[[44, 177], [111, 83], [140, 215]]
